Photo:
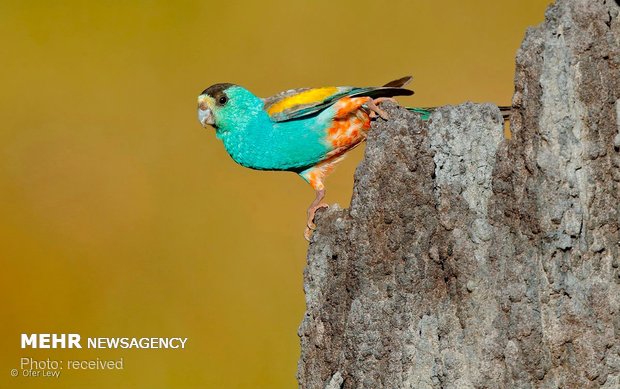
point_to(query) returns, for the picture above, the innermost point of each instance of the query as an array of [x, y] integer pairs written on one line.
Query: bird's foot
[[310, 226], [375, 110], [308, 233]]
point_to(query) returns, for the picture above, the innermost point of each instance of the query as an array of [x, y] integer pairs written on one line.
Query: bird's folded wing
[[298, 103]]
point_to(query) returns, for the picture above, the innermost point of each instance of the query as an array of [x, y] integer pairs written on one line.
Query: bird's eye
[[223, 100]]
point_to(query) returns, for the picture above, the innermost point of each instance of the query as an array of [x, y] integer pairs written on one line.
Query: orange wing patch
[[311, 96], [348, 129], [350, 123]]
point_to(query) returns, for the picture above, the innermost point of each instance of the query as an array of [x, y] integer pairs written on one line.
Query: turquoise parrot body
[[306, 131]]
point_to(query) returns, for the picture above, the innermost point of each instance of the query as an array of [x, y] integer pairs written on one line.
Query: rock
[[470, 261]]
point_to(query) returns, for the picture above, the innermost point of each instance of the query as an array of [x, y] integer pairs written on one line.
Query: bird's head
[[227, 106]]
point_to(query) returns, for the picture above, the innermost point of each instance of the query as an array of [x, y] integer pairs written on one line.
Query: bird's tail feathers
[[401, 82], [425, 112], [506, 110]]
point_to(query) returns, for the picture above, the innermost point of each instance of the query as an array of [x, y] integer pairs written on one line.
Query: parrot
[[306, 131]]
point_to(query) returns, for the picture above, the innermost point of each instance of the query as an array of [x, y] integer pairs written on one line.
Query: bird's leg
[[315, 176], [315, 206]]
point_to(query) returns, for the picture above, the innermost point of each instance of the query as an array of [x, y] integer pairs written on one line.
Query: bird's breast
[[279, 146]]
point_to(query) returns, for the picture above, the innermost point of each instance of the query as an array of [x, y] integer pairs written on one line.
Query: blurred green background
[[121, 216]]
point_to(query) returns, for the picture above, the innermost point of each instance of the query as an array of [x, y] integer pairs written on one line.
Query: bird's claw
[[308, 233], [375, 110], [310, 226]]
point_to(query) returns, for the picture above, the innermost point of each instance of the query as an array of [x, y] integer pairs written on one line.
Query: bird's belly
[[281, 153]]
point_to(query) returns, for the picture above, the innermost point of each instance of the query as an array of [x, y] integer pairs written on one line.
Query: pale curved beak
[[205, 116]]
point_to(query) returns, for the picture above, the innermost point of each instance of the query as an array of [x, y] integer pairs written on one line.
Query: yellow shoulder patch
[[311, 96]]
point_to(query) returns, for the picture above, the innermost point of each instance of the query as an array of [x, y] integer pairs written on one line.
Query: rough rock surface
[[470, 261]]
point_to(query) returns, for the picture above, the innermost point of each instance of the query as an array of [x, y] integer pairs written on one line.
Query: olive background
[[121, 216]]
